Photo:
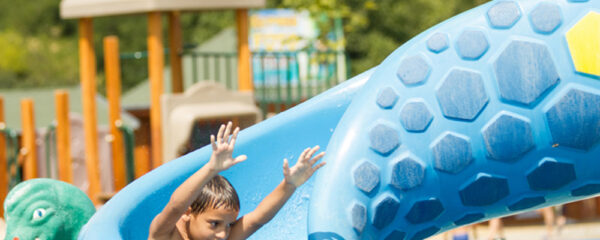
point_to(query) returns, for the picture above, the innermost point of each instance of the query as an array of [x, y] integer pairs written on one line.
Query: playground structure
[[120, 135], [534, 148], [491, 113]]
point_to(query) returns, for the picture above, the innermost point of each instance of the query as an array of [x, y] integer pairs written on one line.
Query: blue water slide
[[493, 112], [129, 213]]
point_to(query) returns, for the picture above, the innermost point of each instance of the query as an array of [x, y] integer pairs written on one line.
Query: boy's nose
[[222, 235]]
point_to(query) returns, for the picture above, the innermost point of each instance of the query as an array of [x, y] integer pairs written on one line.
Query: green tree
[[38, 48]]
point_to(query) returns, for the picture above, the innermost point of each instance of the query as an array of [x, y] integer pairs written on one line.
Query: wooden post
[[87, 74], [28, 140], [143, 163], [112, 70], [63, 136], [244, 68], [175, 49], [155, 68], [4, 179]]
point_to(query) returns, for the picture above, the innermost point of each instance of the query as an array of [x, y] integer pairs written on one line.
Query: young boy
[[206, 206]]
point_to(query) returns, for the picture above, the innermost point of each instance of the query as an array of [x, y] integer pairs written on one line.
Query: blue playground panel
[[493, 112]]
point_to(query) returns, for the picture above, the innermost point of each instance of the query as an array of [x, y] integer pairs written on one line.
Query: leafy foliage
[[37, 48]]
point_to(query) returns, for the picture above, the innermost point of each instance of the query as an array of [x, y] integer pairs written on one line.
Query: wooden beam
[[143, 163], [4, 176], [175, 50], [87, 74], [155, 67], [244, 68], [63, 136], [112, 71], [29, 149]]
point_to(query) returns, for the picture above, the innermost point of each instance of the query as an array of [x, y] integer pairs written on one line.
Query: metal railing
[[51, 151], [281, 79], [129, 142], [12, 154]]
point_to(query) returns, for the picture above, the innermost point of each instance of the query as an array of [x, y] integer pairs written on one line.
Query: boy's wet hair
[[217, 193]]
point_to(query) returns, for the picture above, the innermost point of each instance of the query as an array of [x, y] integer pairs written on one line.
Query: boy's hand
[[303, 169], [221, 158]]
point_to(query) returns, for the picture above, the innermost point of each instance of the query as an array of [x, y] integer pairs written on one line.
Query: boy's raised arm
[[221, 159], [266, 210]]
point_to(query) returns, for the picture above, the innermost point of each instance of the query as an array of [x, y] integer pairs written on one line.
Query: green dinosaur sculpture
[[46, 209]]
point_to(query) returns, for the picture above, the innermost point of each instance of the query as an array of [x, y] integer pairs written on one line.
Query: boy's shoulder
[[178, 233]]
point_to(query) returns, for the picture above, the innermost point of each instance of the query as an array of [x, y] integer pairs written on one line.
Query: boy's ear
[[188, 213]]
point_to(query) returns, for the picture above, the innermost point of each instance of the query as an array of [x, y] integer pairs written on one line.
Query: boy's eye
[[214, 224]]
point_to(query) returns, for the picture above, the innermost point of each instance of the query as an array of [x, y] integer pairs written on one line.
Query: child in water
[[206, 206]]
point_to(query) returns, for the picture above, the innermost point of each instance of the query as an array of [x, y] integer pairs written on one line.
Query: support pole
[[175, 50], [112, 70], [63, 136], [28, 140], [87, 74], [244, 68], [4, 176], [155, 67]]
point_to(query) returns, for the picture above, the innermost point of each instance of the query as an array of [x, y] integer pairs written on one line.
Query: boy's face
[[212, 224]]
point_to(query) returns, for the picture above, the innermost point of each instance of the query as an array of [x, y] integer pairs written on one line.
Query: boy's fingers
[[303, 154], [316, 158], [212, 142], [234, 137], [286, 167], [227, 132], [318, 166], [240, 159], [220, 134], [311, 152]]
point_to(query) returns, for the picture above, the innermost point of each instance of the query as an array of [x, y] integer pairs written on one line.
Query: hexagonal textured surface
[[545, 17], [574, 120], [407, 173], [550, 175], [462, 95], [469, 218], [452, 153], [484, 190], [527, 202], [472, 44], [387, 98], [396, 235], [415, 116], [384, 139], [504, 15], [586, 190], [385, 211], [507, 137], [425, 233], [499, 96], [423, 211], [359, 217], [584, 44], [525, 70], [438, 42], [366, 177], [413, 70]]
